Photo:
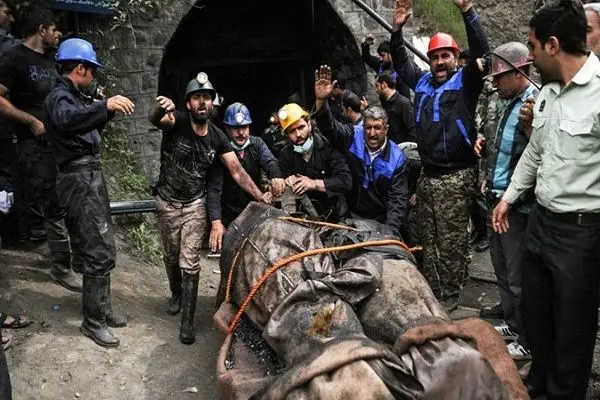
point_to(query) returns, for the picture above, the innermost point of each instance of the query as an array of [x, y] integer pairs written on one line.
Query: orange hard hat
[[442, 41]]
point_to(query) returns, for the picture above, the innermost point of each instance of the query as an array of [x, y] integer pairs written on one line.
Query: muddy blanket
[[328, 327]]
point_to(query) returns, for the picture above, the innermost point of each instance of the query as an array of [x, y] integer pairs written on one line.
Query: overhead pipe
[[389, 28], [132, 207]]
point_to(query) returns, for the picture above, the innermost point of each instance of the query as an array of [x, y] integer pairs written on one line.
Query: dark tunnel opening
[[260, 52]]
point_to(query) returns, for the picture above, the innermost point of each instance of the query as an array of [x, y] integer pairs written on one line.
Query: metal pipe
[[389, 28], [132, 207]]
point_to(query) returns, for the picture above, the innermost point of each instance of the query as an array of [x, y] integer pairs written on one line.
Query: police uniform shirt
[[563, 154]]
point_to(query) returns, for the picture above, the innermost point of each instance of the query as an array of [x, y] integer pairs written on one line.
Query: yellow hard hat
[[290, 114]]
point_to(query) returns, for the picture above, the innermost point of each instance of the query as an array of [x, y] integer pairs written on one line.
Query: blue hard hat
[[78, 50], [237, 114]]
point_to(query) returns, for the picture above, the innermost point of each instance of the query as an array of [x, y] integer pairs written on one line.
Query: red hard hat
[[442, 41]]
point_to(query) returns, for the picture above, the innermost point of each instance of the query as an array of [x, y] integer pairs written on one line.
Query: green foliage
[[125, 182], [144, 238], [441, 16]]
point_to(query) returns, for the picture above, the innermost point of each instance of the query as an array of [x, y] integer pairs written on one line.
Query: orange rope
[[285, 261], [327, 224], [230, 276]]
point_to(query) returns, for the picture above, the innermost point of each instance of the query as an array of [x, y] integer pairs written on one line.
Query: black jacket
[[325, 163], [255, 158], [378, 67], [380, 188], [401, 118], [445, 114], [74, 125]]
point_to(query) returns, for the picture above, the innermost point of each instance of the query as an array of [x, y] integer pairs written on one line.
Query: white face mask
[[238, 147], [305, 148]]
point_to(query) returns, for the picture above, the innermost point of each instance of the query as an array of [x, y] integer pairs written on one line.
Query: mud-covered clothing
[[183, 229], [5, 386], [325, 163], [443, 213], [29, 76], [401, 118], [7, 42], [379, 186], [73, 129], [377, 66], [74, 125], [189, 163], [255, 158], [445, 114]]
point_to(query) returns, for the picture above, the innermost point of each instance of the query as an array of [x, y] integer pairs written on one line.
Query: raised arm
[[162, 115], [367, 58], [406, 68]]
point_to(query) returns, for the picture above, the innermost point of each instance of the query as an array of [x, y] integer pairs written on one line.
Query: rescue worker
[[254, 156], [560, 274], [310, 165], [445, 102], [378, 166], [400, 111], [188, 190], [592, 15], [76, 117], [507, 250], [27, 75], [383, 62]]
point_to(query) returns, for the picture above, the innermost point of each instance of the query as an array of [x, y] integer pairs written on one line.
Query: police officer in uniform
[[75, 122]]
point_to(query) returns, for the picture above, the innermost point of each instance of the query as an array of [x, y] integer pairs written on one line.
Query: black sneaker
[[496, 312], [482, 245]]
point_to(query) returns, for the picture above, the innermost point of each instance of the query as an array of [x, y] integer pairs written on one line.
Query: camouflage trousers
[[183, 229], [444, 209], [40, 170]]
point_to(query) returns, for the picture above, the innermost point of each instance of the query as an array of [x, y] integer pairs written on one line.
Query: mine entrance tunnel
[[260, 52]]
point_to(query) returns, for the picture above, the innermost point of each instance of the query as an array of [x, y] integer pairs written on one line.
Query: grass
[[441, 16]]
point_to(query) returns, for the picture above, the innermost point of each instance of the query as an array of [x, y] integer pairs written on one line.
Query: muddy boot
[[188, 307], [62, 273], [95, 295], [112, 319], [174, 275]]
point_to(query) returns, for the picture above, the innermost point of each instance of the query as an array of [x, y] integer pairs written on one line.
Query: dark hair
[[464, 54], [341, 84], [36, 17], [388, 78], [351, 101], [384, 47], [565, 20]]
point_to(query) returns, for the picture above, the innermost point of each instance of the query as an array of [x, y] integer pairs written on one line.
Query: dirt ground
[[52, 360]]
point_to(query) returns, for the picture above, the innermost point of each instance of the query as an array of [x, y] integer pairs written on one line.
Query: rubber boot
[[188, 307], [95, 295], [174, 275], [113, 320], [62, 273]]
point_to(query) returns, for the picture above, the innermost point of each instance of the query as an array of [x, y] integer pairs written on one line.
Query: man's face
[[507, 84], [51, 37], [87, 73], [378, 88], [238, 134], [375, 133], [542, 60], [200, 105], [593, 31], [6, 16], [442, 62], [298, 132], [385, 58]]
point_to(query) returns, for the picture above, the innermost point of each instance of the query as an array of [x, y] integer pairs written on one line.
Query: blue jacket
[[379, 188], [445, 114]]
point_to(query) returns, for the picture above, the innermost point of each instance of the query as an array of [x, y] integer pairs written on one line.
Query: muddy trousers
[[560, 300], [444, 210], [40, 170], [506, 252], [183, 228], [5, 387]]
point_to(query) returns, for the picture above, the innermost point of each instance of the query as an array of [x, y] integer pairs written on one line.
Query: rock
[[192, 389], [77, 395]]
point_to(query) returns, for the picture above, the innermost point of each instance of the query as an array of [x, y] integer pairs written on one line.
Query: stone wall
[[137, 53]]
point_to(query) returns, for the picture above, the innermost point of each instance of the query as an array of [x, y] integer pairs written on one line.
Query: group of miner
[[503, 163]]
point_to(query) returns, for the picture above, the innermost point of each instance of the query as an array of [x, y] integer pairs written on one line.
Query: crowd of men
[[493, 147]]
